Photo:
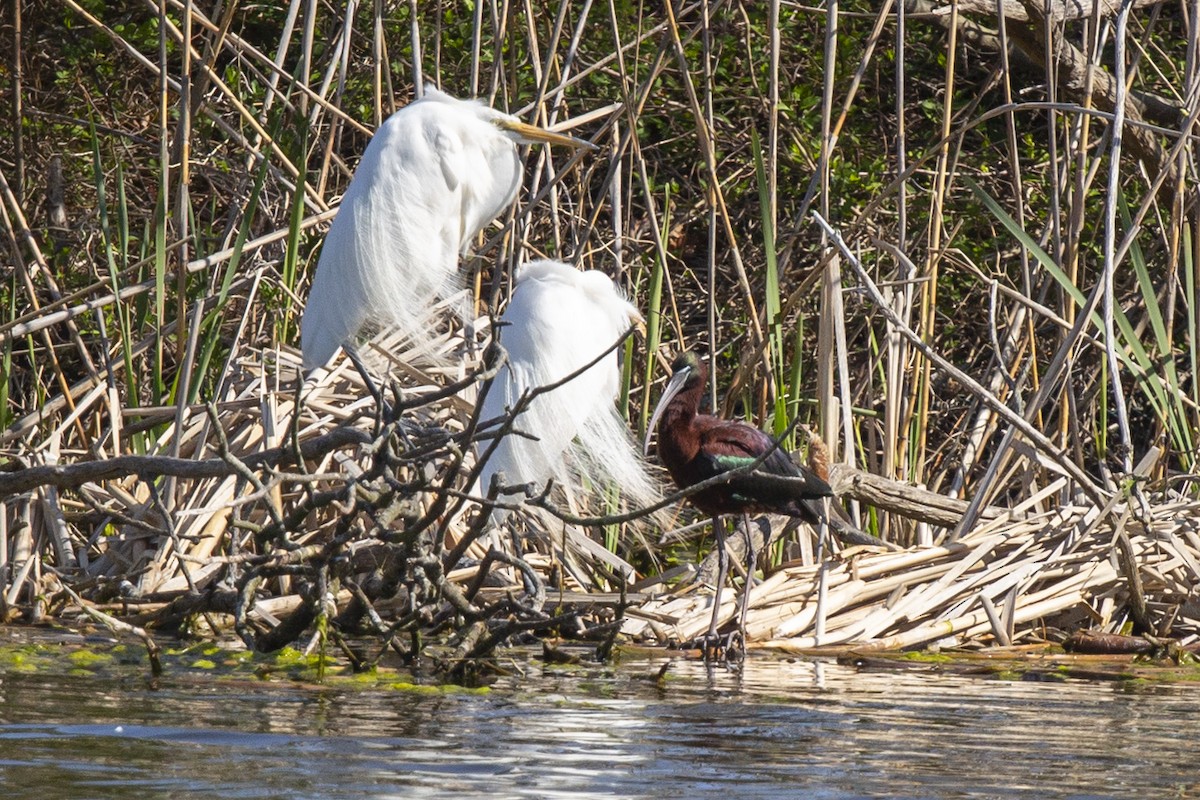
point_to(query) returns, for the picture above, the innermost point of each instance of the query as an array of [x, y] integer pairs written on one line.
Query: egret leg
[[711, 639]]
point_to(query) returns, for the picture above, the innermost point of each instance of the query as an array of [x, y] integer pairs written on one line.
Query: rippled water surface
[[780, 729]]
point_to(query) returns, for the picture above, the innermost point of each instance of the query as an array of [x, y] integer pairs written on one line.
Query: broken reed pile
[[274, 522], [275, 526], [1007, 581]]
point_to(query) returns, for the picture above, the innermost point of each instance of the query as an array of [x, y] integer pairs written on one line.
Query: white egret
[[434, 174], [558, 320]]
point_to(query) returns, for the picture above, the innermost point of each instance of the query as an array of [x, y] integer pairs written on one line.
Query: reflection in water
[[780, 729]]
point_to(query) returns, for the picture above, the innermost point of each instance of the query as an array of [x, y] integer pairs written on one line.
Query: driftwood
[[1080, 80], [1073, 69], [904, 499], [895, 497], [1115, 644], [70, 476], [1060, 11]]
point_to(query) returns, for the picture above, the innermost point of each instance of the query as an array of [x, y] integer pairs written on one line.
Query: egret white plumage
[[433, 175], [558, 320]]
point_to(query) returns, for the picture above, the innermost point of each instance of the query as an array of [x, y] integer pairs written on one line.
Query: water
[[781, 729]]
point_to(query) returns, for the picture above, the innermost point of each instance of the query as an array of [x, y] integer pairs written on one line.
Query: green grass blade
[[1176, 418], [6, 416], [1193, 343], [773, 305], [291, 258], [796, 379], [1130, 349], [654, 311], [117, 256], [211, 331]]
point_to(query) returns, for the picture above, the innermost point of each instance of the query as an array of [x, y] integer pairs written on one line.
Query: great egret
[[433, 175], [558, 320], [695, 447]]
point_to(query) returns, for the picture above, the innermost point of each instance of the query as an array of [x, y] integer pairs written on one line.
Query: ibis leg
[[751, 558], [722, 572]]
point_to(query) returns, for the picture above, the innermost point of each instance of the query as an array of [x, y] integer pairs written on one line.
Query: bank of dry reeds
[[1023, 578], [1010, 321]]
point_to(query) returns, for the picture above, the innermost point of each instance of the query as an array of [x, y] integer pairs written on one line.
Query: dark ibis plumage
[[695, 447]]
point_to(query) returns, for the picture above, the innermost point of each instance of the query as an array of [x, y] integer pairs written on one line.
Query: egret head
[[516, 130], [606, 295]]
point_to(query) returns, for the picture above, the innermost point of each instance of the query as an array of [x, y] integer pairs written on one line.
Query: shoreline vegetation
[[993, 343]]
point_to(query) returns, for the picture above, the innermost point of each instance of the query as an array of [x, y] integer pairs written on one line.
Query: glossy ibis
[[696, 447]]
